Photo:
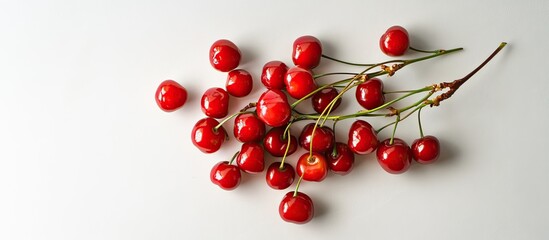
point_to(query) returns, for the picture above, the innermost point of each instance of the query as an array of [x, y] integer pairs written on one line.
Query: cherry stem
[[333, 73], [425, 51], [419, 122], [231, 116], [234, 157], [297, 185], [394, 129], [334, 150], [288, 135]]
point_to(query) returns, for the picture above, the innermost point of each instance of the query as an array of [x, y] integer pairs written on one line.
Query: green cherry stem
[[394, 129], [297, 185], [419, 122], [234, 157], [425, 51], [289, 137], [229, 117], [333, 73]]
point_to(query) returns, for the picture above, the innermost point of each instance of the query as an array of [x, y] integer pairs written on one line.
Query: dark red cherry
[[215, 102], [426, 149], [323, 138], [280, 178], [297, 209], [362, 137], [225, 176], [322, 98], [205, 138], [273, 109], [224, 55], [239, 83], [170, 95], [394, 158], [306, 52], [276, 143], [395, 41], [248, 128], [299, 82], [342, 161], [312, 167], [369, 94], [250, 158], [273, 74]]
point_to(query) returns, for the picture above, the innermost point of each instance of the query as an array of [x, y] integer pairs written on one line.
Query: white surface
[[85, 153]]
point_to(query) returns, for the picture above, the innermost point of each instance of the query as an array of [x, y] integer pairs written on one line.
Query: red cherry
[[204, 136], [224, 55], [395, 41], [297, 209], [322, 98], [248, 128], [362, 137], [426, 149], [225, 175], [369, 94], [170, 95], [342, 162], [273, 74], [239, 83], [307, 52], [275, 143], [273, 109], [313, 168], [280, 178], [250, 158], [323, 138], [299, 82], [394, 158], [215, 102]]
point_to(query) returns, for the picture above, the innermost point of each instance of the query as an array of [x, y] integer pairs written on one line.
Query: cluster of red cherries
[[264, 126]]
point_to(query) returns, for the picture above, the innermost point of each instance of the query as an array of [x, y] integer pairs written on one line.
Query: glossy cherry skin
[[322, 98], [395, 158], [369, 94], [323, 138], [239, 83], [250, 158], [215, 102], [298, 209], [362, 137], [170, 95], [272, 75], [395, 41], [275, 143], [224, 55], [312, 168], [280, 178], [205, 138], [248, 128], [299, 82], [225, 176], [273, 108], [426, 149], [306, 52], [342, 162]]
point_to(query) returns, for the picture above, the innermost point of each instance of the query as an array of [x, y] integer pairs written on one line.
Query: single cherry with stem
[[316, 139], [393, 154], [276, 143], [296, 207], [225, 175], [207, 135], [322, 99], [341, 159], [312, 167], [425, 149]]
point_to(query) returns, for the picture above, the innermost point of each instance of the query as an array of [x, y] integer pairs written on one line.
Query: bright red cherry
[[170, 95], [276, 143], [273, 74], [215, 102], [273, 108], [369, 94], [239, 83], [248, 128], [426, 149], [299, 82], [224, 55], [280, 178], [322, 98], [307, 52], [394, 158], [395, 41], [323, 138], [362, 137], [342, 162], [250, 158], [297, 209], [225, 175], [313, 168], [205, 137]]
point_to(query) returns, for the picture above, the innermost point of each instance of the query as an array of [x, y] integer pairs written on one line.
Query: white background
[[85, 153]]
